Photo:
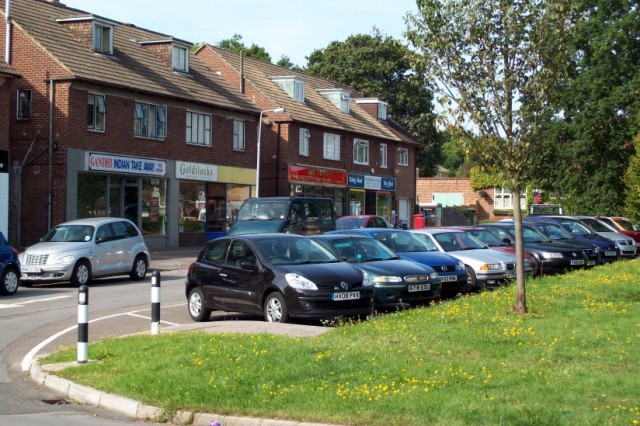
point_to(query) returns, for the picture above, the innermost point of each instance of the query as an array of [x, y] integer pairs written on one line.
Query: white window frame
[[344, 102], [384, 155], [99, 111], [403, 156], [503, 199], [382, 111], [239, 140], [198, 129], [23, 106], [180, 58], [99, 43], [150, 120], [361, 152], [305, 137], [331, 146], [298, 91]]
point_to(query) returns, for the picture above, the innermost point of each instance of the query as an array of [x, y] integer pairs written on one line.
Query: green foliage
[[379, 66], [285, 62], [632, 181], [235, 44], [471, 361], [482, 180], [589, 147]]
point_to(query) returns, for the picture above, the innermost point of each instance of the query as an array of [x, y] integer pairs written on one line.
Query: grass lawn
[[573, 360]]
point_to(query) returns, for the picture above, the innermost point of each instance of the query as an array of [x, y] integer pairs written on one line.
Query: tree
[[632, 181], [235, 44], [379, 66], [599, 103], [493, 63], [285, 62]]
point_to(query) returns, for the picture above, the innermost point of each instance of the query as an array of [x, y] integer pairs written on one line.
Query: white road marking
[[149, 318], [26, 302]]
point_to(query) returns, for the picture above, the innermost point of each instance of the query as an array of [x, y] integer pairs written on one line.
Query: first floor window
[[24, 104], [331, 147], [95, 112], [360, 151], [150, 120], [304, 142], [238, 135], [403, 157], [383, 155], [198, 129]]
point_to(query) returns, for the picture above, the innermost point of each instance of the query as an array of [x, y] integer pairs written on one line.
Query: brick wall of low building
[[482, 200]]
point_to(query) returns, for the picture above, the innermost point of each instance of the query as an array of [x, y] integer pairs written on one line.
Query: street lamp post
[[275, 111]]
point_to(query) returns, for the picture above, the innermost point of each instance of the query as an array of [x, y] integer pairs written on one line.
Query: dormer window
[[382, 111], [292, 85], [339, 97], [180, 58], [374, 107], [102, 37]]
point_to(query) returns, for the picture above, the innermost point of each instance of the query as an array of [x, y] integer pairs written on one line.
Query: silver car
[[485, 267], [625, 243], [83, 249]]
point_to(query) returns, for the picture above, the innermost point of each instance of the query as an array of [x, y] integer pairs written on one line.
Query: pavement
[[166, 260]]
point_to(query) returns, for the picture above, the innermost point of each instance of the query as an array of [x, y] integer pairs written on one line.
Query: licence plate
[[591, 263], [419, 287], [610, 253], [577, 262], [31, 269], [347, 295], [448, 278], [510, 274]]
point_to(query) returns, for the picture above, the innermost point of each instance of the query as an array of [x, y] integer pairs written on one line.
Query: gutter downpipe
[[7, 17], [52, 98]]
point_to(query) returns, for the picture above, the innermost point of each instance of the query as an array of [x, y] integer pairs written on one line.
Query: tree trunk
[[521, 297]]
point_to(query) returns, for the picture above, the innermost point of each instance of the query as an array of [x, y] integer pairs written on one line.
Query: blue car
[[408, 246], [607, 251], [9, 268]]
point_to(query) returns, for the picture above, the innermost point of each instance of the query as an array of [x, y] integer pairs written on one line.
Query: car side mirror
[[507, 241], [100, 240]]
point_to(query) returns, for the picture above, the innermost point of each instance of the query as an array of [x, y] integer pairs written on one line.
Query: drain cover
[[56, 401]]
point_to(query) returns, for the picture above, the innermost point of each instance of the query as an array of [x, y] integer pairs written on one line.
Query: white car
[[83, 249], [485, 267], [626, 244]]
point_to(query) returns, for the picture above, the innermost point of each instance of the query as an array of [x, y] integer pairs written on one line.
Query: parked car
[[495, 243], [559, 235], [277, 275], [553, 257], [626, 244], [623, 226], [485, 267], [397, 282], [362, 221], [410, 247], [607, 250], [83, 249], [9, 268]]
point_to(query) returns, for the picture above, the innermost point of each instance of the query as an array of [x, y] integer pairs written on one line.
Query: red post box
[[418, 221]]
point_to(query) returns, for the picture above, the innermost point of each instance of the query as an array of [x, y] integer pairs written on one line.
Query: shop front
[[319, 182], [370, 194]]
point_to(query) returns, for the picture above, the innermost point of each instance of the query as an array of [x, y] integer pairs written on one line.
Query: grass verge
[[574, 359]]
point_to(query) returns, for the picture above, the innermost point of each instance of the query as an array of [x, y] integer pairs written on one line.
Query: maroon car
[[362, 221], [623, 226]]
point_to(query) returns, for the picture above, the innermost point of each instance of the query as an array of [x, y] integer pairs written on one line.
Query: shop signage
[[379, 183], [319, 176], [196, 171], [121, 164]]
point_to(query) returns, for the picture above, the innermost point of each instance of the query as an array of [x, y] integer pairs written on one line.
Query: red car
[[493, 241], [362, 221], [623, 226]]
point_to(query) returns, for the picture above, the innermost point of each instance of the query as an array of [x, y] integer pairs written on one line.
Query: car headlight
[[299, 282], [491, 267], [433, 275], [460, 266], [386, 279], [597, 249], [66, 259], [551, 255], [366, 281]]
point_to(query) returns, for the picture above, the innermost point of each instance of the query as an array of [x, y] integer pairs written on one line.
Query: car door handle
[[222, 274]]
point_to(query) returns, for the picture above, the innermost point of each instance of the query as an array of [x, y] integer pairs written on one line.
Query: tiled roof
[[316, 109], [132, 66], [7, 69]]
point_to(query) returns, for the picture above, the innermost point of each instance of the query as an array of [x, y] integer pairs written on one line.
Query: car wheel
[[197, 309], [472, 281], [139, 270], [10, 282], [81, 274], [275, 309]]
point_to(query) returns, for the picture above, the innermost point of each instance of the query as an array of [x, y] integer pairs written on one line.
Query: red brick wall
[[482, 201]]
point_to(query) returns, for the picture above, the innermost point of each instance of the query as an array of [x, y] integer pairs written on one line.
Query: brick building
[[7, 75], [109, 119]]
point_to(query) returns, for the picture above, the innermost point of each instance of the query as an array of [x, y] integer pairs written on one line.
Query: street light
[[275, 111]]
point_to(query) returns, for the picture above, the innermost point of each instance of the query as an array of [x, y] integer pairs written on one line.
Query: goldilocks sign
[[196, 171]]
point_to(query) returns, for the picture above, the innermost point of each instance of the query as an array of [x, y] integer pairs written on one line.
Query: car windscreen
[[69, 234], [283, 251], [553, 231], [350, 223], [404, 242], [454, 241], [487, 237], [363, 250], [575, 228], [263, 210], [596, 225]]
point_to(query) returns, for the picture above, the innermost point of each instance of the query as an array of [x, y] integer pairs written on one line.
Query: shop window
[[154, 210], [192, 206], [91, 200]]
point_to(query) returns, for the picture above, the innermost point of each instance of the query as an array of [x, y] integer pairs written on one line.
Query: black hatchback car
[[280, 276]]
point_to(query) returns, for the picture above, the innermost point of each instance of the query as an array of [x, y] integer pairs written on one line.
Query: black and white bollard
[[83, 324], [155, 302]]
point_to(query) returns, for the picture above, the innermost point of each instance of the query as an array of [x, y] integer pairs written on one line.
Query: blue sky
[[293, 28]]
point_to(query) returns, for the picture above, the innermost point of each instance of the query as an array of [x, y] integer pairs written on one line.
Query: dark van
[[294, 215]]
